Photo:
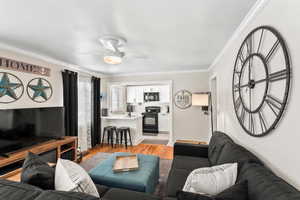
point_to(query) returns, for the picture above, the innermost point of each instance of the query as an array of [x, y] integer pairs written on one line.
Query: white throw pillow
[[69, 176], [211, 180]]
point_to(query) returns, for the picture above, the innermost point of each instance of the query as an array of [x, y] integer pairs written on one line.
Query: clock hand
[[246, 85], [260, 81], [255, 82]]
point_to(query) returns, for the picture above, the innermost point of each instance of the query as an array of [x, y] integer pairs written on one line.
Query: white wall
[[280, 149], [55, 79], [187, 124]]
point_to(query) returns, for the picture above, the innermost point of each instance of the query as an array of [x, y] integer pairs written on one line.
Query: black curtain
[[96, 114], [70, 86]]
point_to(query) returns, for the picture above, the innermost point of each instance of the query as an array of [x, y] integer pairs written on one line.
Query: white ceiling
[[173, 35]]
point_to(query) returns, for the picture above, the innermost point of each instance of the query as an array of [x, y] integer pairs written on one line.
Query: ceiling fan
[[114, 50]]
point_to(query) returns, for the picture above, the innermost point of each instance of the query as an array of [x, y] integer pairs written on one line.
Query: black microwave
[[151, 96]]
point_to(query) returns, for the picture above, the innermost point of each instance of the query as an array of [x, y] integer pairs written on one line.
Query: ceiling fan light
[[112, 59]]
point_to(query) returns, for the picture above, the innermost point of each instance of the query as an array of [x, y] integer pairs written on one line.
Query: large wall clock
[[261, 81]]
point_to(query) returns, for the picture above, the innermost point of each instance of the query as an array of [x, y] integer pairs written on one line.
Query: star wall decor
[[39, 90], [11, 88]]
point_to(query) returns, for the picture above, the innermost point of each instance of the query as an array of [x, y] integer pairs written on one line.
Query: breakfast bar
[[134, 122]]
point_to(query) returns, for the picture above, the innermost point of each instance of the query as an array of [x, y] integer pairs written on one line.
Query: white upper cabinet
[[135, 94], [140, 94], [164, 94], [151, 88]]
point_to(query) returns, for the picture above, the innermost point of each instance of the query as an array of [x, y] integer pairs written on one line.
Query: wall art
[[39, 90], [11, 88], [183, 99]]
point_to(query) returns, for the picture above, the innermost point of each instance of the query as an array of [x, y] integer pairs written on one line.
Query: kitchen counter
[[124, 117], [135, 123]]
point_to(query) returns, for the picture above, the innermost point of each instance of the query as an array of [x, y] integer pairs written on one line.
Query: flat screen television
[[21, 128]]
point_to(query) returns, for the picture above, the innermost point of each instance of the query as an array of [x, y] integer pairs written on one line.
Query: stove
[[150, 119]]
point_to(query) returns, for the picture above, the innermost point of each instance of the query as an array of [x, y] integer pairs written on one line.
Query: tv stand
[[50, 151], [4, 155]]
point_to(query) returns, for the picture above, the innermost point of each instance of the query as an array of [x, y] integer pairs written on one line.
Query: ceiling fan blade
[[136, 56]]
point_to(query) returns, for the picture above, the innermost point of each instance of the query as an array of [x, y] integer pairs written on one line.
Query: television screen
[[21, 128]]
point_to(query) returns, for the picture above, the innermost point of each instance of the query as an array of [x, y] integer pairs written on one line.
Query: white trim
[[156, 73], [134, 83], [254, 11], [214, 76], [47, 59]]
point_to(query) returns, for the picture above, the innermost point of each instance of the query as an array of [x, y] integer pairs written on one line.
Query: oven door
[[150, 123]]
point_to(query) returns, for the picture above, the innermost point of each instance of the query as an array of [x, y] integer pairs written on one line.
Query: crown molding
[[158, 73], [48, 59], [254, 11]]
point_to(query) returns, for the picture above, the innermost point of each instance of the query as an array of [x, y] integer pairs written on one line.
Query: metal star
[[39, 90], [7, 88]]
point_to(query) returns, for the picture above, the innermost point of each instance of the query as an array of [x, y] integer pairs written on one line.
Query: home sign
[[10, 64]]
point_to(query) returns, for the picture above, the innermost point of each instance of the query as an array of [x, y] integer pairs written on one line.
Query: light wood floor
[[163, 151]]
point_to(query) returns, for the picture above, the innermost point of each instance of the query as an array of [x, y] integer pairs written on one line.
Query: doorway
[[214, 102]]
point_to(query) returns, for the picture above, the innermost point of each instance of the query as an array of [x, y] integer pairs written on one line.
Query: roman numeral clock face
[[261, 81]]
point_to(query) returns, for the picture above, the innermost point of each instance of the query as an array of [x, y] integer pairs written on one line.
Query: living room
[[110, 100]]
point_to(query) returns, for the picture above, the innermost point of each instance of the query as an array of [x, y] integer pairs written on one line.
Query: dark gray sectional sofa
[[263, 184]]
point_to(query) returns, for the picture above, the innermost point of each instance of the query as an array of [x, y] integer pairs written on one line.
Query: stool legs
[[109, 131], [125, 134], [121, 133], [102, 141], [130, 137], [112, 138]]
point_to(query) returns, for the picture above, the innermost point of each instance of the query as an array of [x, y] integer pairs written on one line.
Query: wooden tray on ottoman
[[126, 163]]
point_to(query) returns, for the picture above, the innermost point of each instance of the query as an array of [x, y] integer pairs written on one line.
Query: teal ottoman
[[144, 179]]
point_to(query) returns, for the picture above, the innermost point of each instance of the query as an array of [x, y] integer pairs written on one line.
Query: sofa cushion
[[12, 191], [238, 191], [119, 194], [182, 166], [176, 181], [263, 184], [189, 163], [216, 144], [62, 195], [102, 189], [37, 172], [232, 152]]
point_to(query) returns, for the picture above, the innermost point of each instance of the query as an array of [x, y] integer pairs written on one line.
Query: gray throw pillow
[[37, 172]]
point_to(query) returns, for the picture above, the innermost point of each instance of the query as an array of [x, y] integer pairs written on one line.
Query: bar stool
[[123, 132], [109, 130]]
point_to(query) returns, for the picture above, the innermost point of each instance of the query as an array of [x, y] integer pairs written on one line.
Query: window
[[117, 99], [84, 112]]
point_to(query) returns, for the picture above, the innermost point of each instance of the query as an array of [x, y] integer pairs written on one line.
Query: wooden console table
[[191, 141], [64, 148]]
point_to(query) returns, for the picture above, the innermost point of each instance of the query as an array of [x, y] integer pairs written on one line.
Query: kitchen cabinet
[[164, 122], [153, 88], [139, 94], [164, 93], [135, 94]]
